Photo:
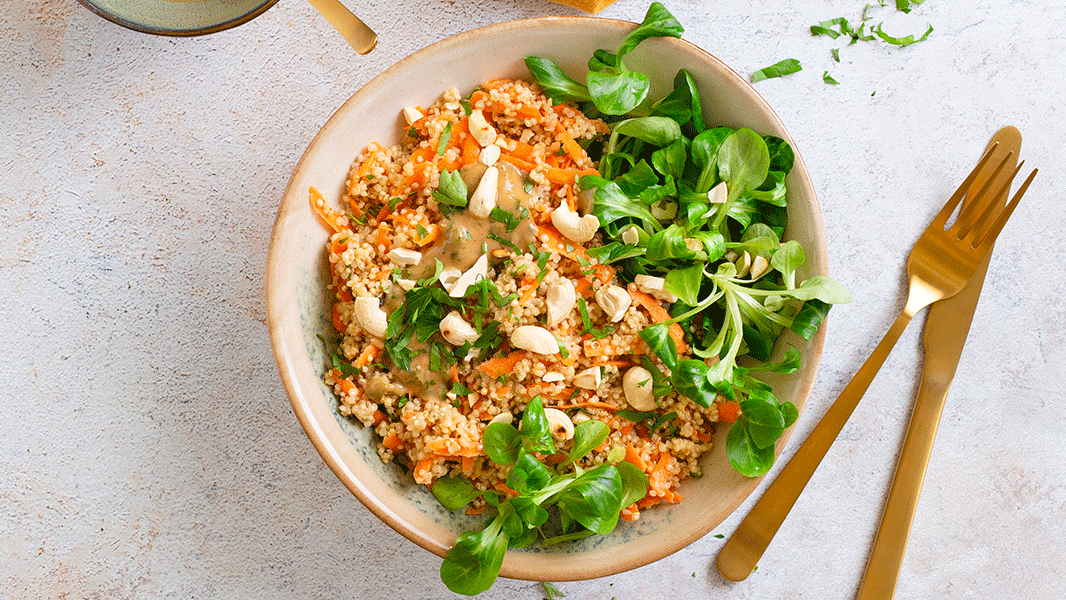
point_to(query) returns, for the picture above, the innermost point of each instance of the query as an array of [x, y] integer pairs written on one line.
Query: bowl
[[178, 17], [298, 304]]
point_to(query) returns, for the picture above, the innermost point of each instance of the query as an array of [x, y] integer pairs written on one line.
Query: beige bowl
[[298, 305]]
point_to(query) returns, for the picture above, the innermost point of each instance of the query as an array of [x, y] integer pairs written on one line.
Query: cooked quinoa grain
[[429, 399]]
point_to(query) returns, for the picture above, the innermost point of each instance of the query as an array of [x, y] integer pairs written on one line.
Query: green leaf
[[594, 499], [658, 22], [692, 380], [668, 244], [786, 260], [828, 79], [554, 83], [500, 441], [821, 288], [685, 283], [660, 131], [778, 69], [634, 483], [473, 563], [658, 339], [528, 475], [789, 364], [810, 318], [536, 433], [744, 456], [743, 161], [454, 492], [587, 436], [445, 135], [611, 204], [617, 93]]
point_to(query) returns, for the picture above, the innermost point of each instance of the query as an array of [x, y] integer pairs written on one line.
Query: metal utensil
[[942, 262], [946, 326], [355, 31]]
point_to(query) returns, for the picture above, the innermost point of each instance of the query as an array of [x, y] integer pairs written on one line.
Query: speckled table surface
[[147, 448]]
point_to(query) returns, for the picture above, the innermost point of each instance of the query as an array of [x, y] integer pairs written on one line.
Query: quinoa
[[429, 399]]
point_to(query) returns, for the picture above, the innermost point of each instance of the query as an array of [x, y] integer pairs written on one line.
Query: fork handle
[[742, 551]]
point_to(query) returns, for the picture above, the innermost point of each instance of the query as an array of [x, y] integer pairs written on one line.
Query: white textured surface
[[146, 446]]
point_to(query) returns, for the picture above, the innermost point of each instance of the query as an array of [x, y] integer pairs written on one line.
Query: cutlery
[[941, 263], [946, 326], [358, 35]]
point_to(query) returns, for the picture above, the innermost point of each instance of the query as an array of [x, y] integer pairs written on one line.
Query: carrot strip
[[393, 442], [728, 411], [633, 458], [422, 469], [494, 367], [379, 417], [554, 240], [474, 511], [338, 323], [367, 356], [659, 314], [333, 219]]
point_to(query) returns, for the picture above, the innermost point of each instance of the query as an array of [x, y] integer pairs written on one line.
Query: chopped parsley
[[778, 69]]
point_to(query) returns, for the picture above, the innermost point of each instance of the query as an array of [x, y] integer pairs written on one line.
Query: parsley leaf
[[779, 69]]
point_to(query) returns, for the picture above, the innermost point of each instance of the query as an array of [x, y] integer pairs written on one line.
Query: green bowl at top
[[178, 18]]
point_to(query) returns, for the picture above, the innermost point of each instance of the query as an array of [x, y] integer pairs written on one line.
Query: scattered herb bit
[[836, 54], [445, 135], [719, 536], [779, 69], [829, 79], [551, 591], [451, 192]]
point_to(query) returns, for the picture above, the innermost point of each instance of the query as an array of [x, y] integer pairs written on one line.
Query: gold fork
[[942, 262]]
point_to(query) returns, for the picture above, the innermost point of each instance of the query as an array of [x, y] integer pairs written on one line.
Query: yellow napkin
[[589, 6]]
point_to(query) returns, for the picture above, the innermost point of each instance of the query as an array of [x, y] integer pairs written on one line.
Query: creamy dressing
[[465, 239]]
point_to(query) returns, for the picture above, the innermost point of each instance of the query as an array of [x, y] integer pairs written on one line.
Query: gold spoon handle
[[742, 552], [356, 32]]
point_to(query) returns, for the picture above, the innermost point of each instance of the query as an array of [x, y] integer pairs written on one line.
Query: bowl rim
[[178, 32], [331, 455]]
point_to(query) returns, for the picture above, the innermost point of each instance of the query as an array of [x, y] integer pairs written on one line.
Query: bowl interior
[[178, 18], [298, 302]]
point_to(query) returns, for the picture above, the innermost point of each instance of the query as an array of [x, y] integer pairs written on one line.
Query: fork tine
[[981, 201], [984, 243], [953, 202], [978, 224]]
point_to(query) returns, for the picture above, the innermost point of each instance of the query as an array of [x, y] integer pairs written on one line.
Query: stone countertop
[[147, 449]]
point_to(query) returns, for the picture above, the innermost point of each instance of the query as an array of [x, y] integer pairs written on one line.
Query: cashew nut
[[759, 266], [535, 339], [636, 385], [448, 276], [561, 300], [456, 330], [484, 133], [370, 317], [411, 114], [552, 376], [504, 417], [663, 210], [631, 235], [589, 379], [484, 198], [470, 277], [573, 226], [614, 301], [559, 424], [718, 194], [404, 257], [654, 286], [743, 264], [489, 155]]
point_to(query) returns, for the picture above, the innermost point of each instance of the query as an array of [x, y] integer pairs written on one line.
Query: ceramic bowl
[[177, 17], [298, 305]]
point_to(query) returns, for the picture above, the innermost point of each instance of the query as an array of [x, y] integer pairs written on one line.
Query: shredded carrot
[[383, 236], [338, 323], [333, 219], [728, 411], [345, 385], [657, 477], [633, 458], [554, 240], [476, 510], [585, 404], [528, 294], [393, 442], [367, 356], [468, 464], [470, 151], [423, 467], [371, 160], [522, 150], [379, 417], [630, 513], [553, 174], [659, 314], [494, 367]]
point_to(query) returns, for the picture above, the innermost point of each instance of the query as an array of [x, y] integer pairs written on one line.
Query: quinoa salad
[[452, 318]]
